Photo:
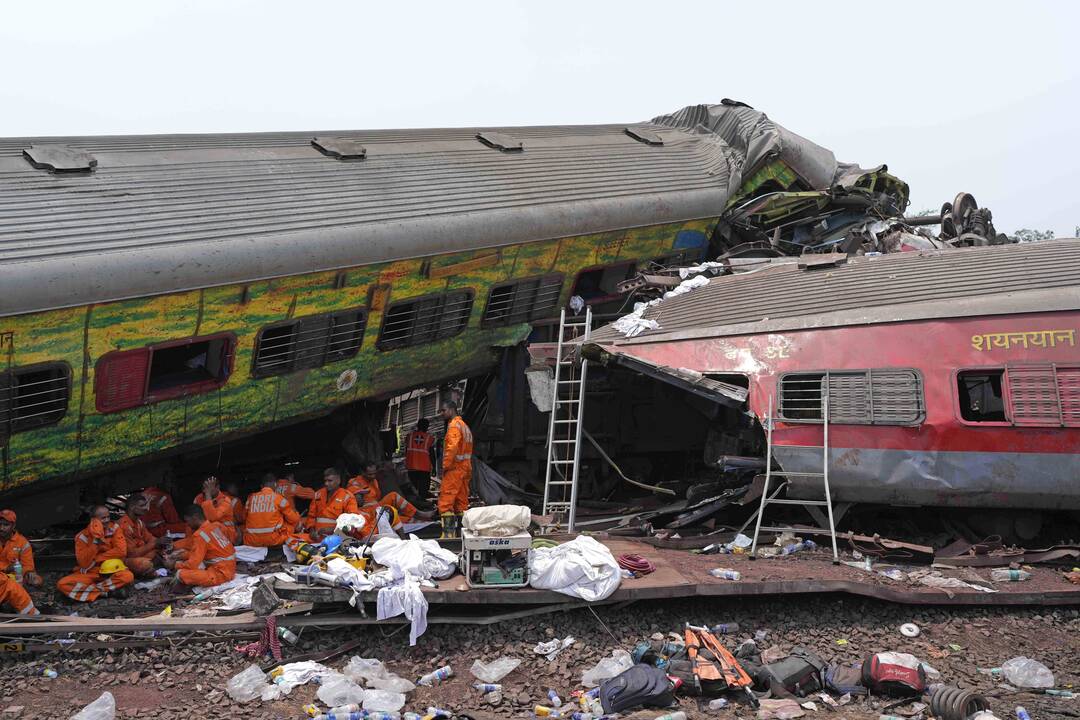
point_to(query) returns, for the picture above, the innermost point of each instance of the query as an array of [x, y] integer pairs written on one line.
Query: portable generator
[[488, 561]]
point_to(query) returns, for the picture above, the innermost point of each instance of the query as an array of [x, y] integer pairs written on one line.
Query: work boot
[[447, 522], [458, 517]]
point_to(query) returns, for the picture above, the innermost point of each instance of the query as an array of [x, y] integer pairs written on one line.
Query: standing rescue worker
[[141, 545], [270, 517], [218, 506], [206, 557], [420, 460], [161, 516], [457, 470], [330, 501], [14, 596], [14, 547], [99, 552], [288, 488]]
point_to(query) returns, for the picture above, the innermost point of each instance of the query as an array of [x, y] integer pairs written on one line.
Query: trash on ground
[[495, 670], [1027, 673], [104, 708]]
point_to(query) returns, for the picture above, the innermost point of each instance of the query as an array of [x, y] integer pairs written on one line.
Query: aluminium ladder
[[810, 505], [565, 423]]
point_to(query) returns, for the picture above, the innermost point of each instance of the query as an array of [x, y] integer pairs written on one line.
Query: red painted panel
[[120, 380]]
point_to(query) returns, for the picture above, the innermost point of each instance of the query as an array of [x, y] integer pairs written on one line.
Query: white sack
[[421, 559], [497, 520], [580, 568]]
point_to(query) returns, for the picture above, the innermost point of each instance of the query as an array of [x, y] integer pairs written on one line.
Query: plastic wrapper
[[1027, 673], [104, 708], [619, 662], [360, 669], [495, 670], [246, 685], [392, 683], [383, 700], [340, 690]]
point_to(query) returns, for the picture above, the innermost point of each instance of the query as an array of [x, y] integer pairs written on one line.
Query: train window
[[599, 284], [425, 319], [33, 396], [308, 342], [128, 378], [981, 395], [522, 300], [1043, 395], [884, 396]]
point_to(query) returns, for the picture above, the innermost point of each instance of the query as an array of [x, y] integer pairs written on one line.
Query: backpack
[[893, 673], [640, 685], [845, 679], [799, 673]]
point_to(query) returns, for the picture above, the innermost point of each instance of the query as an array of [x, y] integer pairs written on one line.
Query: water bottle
[[889, 717], [1021, 713], [553, 696], [718, 704], [436, 676], [544, 711], [49, 673], [287, 635], [17, 571], [487, 687], [1009, 575], [358, 715], [796, 547], [1067, 694], [412, 716], [340, 710], [725, 573], [434, 712], [372, 715], [725, 628]]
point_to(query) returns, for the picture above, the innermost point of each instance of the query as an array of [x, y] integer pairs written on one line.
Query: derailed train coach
[[167, 293], [952, 376]]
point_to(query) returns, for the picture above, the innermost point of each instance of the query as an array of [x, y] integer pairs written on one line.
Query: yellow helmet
[[112, 565]]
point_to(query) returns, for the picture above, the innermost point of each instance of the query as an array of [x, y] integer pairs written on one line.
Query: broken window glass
[[424, 320], [981, 396]]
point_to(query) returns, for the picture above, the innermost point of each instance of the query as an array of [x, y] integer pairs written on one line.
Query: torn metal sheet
[[683, 378]]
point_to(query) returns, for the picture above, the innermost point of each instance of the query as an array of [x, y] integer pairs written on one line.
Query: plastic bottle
[[677, 715], [435, 712], [725, 573], [287, 635], [1067, 694], [1021, 713], [17, 571], [1009, 575], [796, 547], [359, 715], [436, 676], [49, 673], [581, 716], [718, 704], [553, 696], [412, 716], [487, 687], [339, 710], [544, 711], [889, 717], [725, 628]]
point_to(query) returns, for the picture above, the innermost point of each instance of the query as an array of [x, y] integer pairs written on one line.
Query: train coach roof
[[996, 280], [94, 219]]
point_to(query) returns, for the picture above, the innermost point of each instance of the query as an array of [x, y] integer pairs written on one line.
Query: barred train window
[[425, 319], [522, 300], [308, 342], [33, 396], [860, 397]]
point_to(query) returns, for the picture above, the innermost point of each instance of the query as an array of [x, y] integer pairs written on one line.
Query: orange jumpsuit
[[323, 514], [457, 468], [290, 490], [13, 595], [17, 548], [140, 545], [94, 545], [162, 516], [208, 547], [370, 500], [221, 510], [270, 519]]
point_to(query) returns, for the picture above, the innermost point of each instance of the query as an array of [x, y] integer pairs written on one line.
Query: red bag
[[893, 673]]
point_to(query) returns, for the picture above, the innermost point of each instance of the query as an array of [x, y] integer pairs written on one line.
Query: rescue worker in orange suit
[[206, 557], [420, 460], [330, 501], [287, 487], [100, 550], [14, 596], [218, 506], [369, 497], [161, 517], [14, 547], [457, 470], [141, 545], [270, 517]]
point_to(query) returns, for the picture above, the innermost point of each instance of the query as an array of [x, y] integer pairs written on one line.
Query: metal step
[[796, 502]]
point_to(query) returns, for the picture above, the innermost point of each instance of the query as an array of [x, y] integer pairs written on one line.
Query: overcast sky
[[975, 96]]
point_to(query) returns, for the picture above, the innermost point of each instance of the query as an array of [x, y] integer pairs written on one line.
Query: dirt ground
[[188, 680]]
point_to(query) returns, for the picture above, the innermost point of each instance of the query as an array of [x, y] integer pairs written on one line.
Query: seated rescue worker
[[270, 517], [369, 495], [288, 488], [161, 516], [99, 553], [14, 547], [218, 506], [14, 597], [207, 556], [330, 501], [141, 545]]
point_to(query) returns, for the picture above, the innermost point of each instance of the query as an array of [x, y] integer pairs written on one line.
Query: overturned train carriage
[[952, 377], [164, 293]]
